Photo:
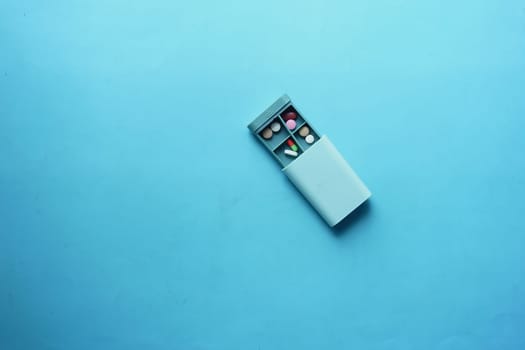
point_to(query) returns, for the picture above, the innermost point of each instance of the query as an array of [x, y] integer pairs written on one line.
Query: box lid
[[327, 181]]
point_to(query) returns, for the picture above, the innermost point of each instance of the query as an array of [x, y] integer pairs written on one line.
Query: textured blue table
[[137, 212]]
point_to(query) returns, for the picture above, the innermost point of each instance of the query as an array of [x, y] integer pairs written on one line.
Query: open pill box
[[310, 161]]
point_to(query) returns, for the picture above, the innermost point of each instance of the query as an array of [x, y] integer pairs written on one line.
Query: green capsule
[[294, 148]]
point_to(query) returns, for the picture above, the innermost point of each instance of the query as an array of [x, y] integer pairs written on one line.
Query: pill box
[[310, 160]]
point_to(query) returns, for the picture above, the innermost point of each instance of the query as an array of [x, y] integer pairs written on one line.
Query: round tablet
[[309, 139], [291, 124], [289, 115], [304, 131], [275, 126], [267, 134]]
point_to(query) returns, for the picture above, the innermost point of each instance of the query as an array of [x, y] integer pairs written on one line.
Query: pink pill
[[291, 124]]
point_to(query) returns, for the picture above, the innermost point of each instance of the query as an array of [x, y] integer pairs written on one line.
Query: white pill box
[[311, 162]]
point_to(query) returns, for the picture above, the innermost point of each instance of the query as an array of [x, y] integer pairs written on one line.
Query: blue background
[[137, 211]]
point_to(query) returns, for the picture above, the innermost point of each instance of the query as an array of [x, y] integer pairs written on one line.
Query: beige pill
[[267, 133], [304, 131]]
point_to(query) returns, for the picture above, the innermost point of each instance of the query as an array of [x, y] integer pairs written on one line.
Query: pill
[[289, 115], [275, 126], [267, 133], [309, 139], [294, 148], [291, 124], [291, 153], [304, 131], [290, 142]]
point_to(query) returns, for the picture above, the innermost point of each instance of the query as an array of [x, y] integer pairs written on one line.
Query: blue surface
[[137, 211]]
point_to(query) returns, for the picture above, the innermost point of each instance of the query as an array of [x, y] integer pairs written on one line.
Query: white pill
[[291, 153], [275, 126], [309, 139]]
